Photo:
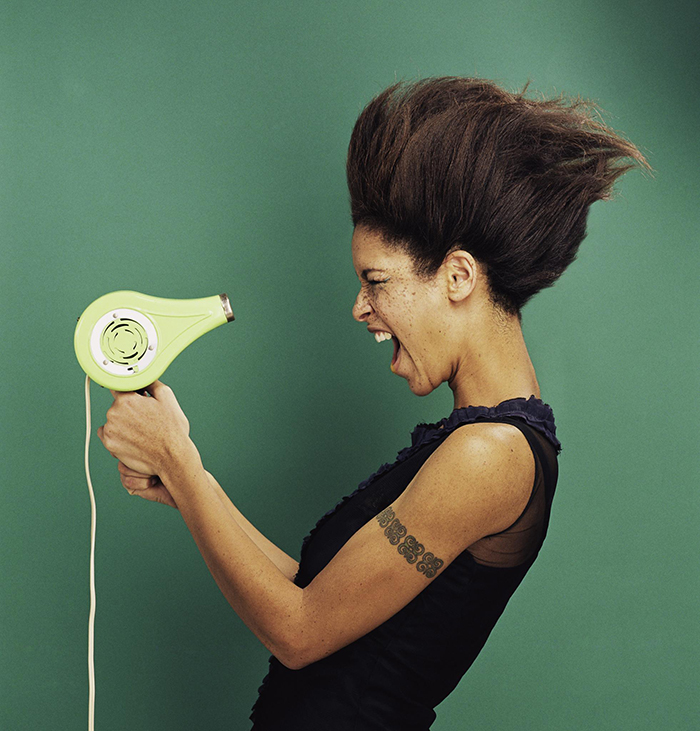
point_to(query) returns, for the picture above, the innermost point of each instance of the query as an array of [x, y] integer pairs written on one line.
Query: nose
[[361, 308]]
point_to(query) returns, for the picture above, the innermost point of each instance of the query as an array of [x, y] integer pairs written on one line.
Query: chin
[[421, 389]]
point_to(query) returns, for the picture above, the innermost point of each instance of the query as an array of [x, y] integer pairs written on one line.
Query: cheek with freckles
[[407, 309]]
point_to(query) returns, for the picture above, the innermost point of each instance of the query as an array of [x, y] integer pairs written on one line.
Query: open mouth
[[382, 335], [397, 347]]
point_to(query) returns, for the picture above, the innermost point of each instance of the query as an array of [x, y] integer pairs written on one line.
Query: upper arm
[[476, 483]]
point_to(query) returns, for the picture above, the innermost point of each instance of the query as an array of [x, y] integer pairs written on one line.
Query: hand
[[146, 433], [149, 487]]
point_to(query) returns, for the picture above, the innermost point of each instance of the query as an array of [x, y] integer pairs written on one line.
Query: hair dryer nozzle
[[226, 304]]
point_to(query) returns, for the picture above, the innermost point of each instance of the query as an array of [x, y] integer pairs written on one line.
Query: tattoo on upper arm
[[395, 531]]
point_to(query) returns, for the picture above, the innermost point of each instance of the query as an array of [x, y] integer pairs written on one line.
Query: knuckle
[[130, 483]]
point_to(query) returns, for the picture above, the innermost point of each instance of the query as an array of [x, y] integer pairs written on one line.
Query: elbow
[[301, 645], [292, 662], [293, 659], [296, 653], [301, 655]]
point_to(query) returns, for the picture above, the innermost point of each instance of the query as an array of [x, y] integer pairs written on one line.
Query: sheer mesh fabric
[[521, 540]]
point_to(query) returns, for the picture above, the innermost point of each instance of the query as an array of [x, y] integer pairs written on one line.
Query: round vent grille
[[124, 341]]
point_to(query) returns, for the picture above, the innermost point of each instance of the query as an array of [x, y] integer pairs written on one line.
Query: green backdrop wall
[[185, 149]]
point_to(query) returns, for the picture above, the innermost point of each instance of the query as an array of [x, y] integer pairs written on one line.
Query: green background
[[186, 149]]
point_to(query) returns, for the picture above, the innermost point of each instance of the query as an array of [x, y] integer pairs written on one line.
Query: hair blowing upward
[[448, 163]]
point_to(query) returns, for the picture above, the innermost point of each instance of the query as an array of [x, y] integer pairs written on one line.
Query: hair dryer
[[125, 340]]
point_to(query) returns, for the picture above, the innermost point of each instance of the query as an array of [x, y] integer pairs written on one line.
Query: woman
[[466, 201]]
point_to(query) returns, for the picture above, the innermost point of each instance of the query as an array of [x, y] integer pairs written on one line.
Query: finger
[[123, 394], [134, 480], [157, 495], [129, 472], [158, 390], [101, 436], [135, 483], [117, 394]]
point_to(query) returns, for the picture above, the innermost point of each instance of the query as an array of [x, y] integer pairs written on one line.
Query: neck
[[493, 366]]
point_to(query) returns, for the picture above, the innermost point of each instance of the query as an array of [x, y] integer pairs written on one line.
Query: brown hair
[[449, 163]]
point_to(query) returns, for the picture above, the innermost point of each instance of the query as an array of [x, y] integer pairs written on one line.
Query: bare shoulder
[[493, 436], [491, 464], [501, 442]]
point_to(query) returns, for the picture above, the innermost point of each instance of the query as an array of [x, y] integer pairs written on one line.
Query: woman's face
[[392, 299]]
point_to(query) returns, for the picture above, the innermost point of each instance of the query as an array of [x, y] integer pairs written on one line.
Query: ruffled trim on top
[[534, 411]]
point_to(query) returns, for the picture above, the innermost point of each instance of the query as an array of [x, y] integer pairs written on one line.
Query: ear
[[462, 273]]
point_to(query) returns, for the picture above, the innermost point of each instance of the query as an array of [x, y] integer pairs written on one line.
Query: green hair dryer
[[125, 340]]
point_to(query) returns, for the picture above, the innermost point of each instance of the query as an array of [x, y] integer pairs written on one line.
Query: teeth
[[381, 336]]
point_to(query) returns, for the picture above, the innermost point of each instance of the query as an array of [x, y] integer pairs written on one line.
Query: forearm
[[258, 591], [286, 564]]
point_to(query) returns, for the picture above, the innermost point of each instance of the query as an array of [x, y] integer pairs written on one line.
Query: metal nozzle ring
[[226, 304]]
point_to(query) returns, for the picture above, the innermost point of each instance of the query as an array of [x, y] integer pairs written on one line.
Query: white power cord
[[91, 623]]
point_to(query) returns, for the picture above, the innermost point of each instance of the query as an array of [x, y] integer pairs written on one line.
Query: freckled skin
[[447, 326]]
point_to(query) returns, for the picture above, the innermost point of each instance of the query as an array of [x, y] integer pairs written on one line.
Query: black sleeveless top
[[393, 677]]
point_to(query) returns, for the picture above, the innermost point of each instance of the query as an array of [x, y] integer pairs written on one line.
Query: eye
[[377, 281]]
